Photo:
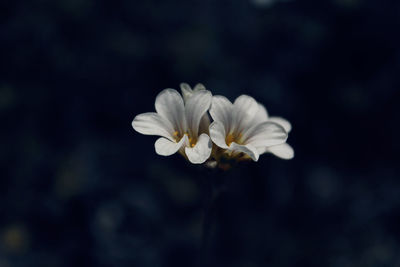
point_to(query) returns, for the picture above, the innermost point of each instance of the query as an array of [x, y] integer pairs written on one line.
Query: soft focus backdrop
[[79, 187]]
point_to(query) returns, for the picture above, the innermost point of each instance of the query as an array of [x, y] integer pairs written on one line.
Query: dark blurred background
[[79, 187]]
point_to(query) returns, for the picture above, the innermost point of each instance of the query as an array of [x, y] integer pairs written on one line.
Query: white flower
[[177, 122], [244, 127]]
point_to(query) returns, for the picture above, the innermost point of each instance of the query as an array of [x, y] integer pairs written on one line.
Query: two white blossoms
[[239, 131]]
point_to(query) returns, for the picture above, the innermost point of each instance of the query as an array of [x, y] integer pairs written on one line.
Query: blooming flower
[[177, 121], [243, 130]]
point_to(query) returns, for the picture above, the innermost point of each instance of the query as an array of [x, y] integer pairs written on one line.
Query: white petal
[[186, 90], [244, 110], [196, 106], [261, 115], [221, 110], [217, 134], [169, 104], [151, 123], [283, 151], [247, 149], [165, 147], [282, 122], [201, 151], [199, 86], [265, 134]]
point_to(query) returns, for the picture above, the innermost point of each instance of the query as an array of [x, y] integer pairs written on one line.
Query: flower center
[[178, 137], [192, 141], [233, 138]]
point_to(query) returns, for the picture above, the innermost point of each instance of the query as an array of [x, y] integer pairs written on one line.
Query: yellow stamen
[[233, 138], [192, 141], [229, 139]]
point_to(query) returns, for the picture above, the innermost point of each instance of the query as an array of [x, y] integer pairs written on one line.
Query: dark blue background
[[79, 187]]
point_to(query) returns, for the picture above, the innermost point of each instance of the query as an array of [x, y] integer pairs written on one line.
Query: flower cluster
[[240, 130]]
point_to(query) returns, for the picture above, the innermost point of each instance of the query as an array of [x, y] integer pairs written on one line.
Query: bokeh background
[[79, 187]]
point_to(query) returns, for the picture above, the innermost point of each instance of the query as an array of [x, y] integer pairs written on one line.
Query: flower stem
[[214, 185]]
